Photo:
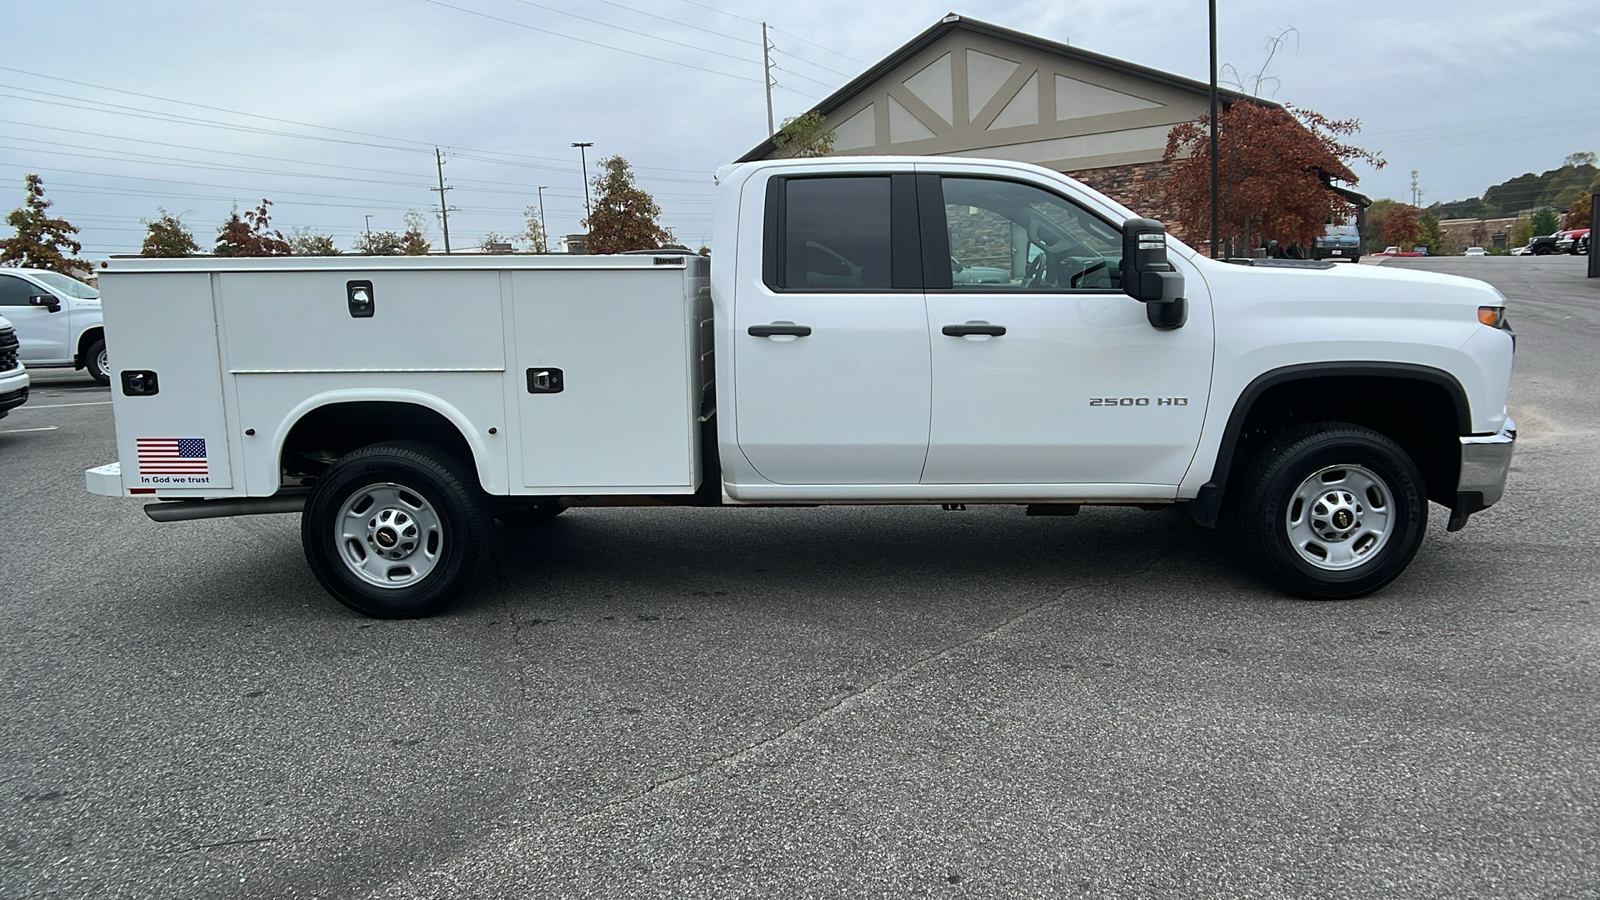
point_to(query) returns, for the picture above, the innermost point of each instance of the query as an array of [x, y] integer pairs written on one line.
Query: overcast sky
[[332, 109]]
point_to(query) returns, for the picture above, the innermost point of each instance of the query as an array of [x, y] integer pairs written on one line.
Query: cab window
[[1008, 236], [834, 234]]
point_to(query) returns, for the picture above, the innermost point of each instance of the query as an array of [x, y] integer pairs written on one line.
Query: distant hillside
[[1557, 187]]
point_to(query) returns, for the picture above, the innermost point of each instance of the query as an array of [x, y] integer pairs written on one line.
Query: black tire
[[396, 531], [96, 364], [1542, 251], [528, 513], [1340, 491]]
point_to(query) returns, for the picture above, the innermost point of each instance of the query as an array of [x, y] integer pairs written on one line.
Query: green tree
[[1432, 237], [380, 243], [625, 216], [251, 234], [805, 135], [1545, 221], [306, 242], [42, 241], [413, 242], [1521, 233], [1372, 224], [165, 236], [533, 235]]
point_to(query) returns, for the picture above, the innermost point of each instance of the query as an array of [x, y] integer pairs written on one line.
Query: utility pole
[[1213, 129], [766, 62], [369, 224], [588, 210], [444, 211], [1416, 196], [544, 230]]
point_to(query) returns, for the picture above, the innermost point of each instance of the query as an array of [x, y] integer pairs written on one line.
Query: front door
[[41, 333], [831, 349], [1044, 371]]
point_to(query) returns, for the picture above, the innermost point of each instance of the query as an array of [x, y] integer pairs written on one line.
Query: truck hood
[[1355, 285]]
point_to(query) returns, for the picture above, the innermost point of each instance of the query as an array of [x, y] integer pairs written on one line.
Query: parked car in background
[[1476, 251], [1543, 245], [57, 320], [1568, 241], [1337, 242], [1583, 246], [13, 375]]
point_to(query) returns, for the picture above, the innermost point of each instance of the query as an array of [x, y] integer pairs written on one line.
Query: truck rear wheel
[[395, 531], [1333, 511]]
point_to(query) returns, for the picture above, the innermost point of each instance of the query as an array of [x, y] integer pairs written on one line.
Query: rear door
[[832, 378]]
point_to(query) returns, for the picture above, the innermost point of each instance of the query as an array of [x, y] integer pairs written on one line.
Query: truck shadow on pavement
[[850, 554]]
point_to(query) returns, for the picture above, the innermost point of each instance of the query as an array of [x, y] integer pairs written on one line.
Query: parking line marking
[[26, 430], [65, 405]]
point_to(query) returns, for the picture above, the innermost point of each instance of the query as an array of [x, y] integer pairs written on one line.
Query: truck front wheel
[[1333, 511], [396, 530], [98, 362]]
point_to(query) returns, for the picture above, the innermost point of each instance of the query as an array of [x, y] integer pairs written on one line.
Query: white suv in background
[[13, 377], [57, 319]]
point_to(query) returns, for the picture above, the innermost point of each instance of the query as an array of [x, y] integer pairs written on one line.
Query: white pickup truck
[[400, 405]]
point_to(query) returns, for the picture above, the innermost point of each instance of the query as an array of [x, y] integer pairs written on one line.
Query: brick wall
[[1138, 187], [1458, 235]]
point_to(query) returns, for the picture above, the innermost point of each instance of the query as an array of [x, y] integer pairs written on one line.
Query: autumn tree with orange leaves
[[251, 234], [1273, 164], [1403, 226]]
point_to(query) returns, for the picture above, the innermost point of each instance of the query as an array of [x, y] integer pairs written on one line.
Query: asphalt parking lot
[[811, 703]]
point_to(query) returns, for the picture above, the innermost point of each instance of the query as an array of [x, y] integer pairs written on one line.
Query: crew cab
[[58, 320], [831, 356]]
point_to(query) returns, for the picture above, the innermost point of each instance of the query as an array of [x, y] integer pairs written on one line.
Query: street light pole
[[587, 208], [1213, 129], [542, 227], [369, 224]]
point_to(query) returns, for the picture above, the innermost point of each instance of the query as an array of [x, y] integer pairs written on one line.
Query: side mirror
[[48, 301], [1148, 277]]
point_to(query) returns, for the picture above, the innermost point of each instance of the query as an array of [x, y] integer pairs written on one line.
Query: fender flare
[[1207, 504]]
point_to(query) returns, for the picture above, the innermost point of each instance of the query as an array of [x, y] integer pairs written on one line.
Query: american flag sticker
[[173, 456]]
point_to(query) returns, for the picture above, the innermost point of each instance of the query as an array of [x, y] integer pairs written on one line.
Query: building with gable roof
[[968, 88]]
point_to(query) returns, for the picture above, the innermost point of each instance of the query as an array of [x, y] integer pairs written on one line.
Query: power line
[[812, 43], [613, 25], [672, 62], [808, 62], [806, 77], [423, 146], [684, 24]]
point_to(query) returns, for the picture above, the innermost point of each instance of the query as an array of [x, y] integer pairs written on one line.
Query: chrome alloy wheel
[[1340, 517], [389, 536], [103, 362]]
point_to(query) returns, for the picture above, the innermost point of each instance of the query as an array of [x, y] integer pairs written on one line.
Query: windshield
[[72, 287]]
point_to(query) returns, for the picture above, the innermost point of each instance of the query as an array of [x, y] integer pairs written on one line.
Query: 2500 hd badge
[[1138, 401]]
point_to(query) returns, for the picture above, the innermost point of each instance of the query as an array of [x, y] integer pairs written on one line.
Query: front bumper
[[1485, 462], [13, 390]]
